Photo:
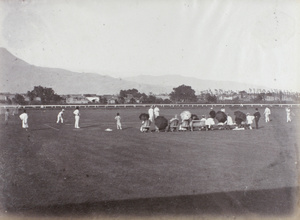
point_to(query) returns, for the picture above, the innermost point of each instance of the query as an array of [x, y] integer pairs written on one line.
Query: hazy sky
[[253, 41]]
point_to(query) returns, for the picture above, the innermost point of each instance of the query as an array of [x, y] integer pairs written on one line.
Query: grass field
[[54, 169]]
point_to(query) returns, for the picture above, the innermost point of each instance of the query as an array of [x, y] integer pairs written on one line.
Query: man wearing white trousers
[[24, 118], [77, 114], [267, 114], [60, 116]]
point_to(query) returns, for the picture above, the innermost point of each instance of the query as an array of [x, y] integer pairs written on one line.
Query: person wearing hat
[[256, 117], [60, 116]]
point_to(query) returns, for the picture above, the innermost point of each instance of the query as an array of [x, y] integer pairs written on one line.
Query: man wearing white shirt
[[209, 123], [60, 116], [24, 118], [288, 115], [77, 114], [156, 111], [267, 114], [229, 120], [249, 120], [151, 113]]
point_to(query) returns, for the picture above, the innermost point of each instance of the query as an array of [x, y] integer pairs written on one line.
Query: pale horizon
[[255, 42]]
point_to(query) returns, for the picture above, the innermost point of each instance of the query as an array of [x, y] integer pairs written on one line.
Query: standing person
[[77, 114], [288, 115], [24, 118], [151, 113], [6, 116], [156, 111], [60, 116], [256, 117], [118, 118], [267, 114]]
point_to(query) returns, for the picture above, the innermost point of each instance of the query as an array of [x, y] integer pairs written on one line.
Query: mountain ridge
[[18, 76]]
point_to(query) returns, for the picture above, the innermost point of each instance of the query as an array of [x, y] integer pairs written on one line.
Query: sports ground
[[56, 170]]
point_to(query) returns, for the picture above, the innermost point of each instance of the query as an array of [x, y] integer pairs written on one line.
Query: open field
[[54, 169]]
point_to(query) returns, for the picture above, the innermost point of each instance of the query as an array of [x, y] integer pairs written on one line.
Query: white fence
[[3, 107]]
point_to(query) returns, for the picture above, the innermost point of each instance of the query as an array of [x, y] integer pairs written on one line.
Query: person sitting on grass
[[184, 125], [249, 120], [145, 125], [210, 123], [229, 122], [173, 124], [203, 122]]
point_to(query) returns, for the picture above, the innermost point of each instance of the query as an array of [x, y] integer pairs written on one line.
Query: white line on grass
[[52, 127]]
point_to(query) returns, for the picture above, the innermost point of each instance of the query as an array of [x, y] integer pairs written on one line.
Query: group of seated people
[[215, 121], [200, 124]]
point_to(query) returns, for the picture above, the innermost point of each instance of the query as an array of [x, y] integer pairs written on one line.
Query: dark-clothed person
[[256, 117]]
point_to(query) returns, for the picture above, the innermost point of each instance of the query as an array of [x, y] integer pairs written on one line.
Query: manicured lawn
[[55, 167]]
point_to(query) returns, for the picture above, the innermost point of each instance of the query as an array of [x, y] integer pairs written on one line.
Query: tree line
[[180, 94]]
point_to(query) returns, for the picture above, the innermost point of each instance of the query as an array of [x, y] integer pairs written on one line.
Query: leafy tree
[[47, 95], [19, 99], [167, 101], [183, 93], [211, 98], [121, 100], [243, 93], [258, 98], [103, 100], [135, 93], [31, 95], [132, 101], [151, 99], [9, 101]]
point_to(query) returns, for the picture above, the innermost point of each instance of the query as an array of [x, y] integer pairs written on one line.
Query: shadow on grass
[[272, 202]]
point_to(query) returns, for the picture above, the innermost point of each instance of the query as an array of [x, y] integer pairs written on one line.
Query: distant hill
[[18, 76], [197, 84]]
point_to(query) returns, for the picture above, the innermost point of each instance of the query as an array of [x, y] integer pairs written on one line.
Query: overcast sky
[[253, 41]]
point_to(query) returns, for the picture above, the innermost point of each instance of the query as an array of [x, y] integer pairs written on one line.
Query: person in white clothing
[[249, 120], [151, 113], [24, 118], [60, 116], [156, 111], [288, 115], [209, 123], [77, 114], [6, 116], [203, 119], [118, 119], [229, 120], [267, 114]]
